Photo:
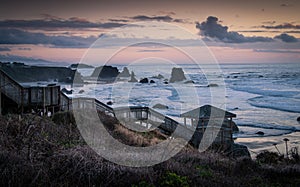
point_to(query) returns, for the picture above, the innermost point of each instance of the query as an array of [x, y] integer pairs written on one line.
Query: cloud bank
[[213, 29], [166, 18], [282, 26], [57, 23], [286, 38], [15, 36]]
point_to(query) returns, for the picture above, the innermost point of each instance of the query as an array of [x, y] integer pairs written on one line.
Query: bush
[[204, 171], [172, 179], [267, 157]]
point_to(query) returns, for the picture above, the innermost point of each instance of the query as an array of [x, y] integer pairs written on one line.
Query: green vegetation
[[174, 180], [204, 171], [35, 151]]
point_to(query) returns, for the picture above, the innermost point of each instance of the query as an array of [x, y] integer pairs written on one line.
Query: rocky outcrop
[[24, 73], [75, 66], [144, 80], [132, 77], [160, 106], [124, 73], [105, 72], [152, 81], [177, 75], [159, 76], [298, 119], [261, 133], [212, 85]]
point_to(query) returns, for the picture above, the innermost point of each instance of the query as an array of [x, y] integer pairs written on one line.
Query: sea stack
[[105, 72], [132, 77], [144, 80], [124, 73], [177, 75]]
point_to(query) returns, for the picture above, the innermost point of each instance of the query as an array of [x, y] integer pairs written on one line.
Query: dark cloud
[[166, 18], [282, 26], [4, 49], [119, 20], [258, 31], [213, 29], [15, 36], [275, 51], [286, 38], [150, 50], [24, 48], [251, 31], [296, 32], [54, 22]]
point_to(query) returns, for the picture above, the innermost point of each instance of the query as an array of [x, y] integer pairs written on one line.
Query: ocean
[[265, 97]]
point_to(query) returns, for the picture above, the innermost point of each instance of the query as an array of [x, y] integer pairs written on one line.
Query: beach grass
[[38, 151]]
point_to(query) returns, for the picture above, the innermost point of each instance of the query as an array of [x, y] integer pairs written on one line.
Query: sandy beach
[[259, 144]]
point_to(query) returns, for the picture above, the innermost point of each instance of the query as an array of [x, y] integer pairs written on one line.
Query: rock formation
[[212, 85], [24, 73], [132, 77], [177, 75], [160, 106], [144, 80], [105, 72], [124, 73], [260, 133]]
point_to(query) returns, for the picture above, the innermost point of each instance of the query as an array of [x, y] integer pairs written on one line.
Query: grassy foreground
[[36, 151]]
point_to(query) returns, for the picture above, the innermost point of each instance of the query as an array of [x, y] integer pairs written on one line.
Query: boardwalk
[[25, 97], [49, 98]]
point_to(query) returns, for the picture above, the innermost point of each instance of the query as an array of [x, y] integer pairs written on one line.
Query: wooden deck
[[29, 97], [50, 98]]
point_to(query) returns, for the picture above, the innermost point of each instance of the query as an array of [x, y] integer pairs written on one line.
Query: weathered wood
[[29, 96]]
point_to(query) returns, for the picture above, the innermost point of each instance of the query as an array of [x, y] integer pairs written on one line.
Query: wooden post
[[44, 101], [0, 95], [230, 121]]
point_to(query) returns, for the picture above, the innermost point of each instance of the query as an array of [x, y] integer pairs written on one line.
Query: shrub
[[267, 157], [174, 180], [204, 171]]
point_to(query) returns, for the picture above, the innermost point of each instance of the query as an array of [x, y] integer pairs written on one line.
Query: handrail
[[11, 79], [7, 80]]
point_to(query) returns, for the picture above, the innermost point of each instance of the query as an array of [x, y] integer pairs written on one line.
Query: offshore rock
[[177, 75]]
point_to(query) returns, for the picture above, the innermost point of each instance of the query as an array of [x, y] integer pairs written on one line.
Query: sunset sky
[[235, 31]]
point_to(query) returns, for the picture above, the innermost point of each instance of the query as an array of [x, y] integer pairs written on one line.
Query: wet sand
[[265, 143]]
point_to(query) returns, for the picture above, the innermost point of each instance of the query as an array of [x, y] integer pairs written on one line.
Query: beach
[[265, 97]]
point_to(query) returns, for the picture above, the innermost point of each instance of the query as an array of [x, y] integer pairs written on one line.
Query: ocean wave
[[276, 103], [269, 126]]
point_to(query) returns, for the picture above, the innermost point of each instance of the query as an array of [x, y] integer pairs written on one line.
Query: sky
[[235, 31]]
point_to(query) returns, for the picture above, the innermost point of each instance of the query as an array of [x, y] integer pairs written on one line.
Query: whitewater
[[265, 97]]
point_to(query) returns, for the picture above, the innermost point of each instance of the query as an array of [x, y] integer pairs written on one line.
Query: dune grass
[[36, 151]]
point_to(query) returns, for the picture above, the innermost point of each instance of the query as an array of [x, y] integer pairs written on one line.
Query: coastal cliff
[[23, 73]]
